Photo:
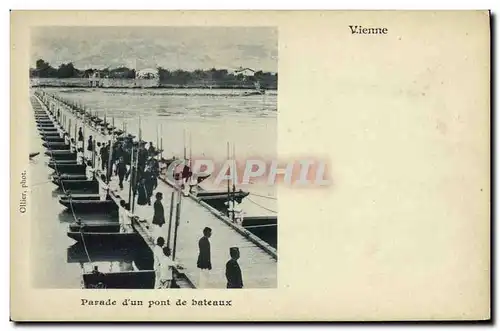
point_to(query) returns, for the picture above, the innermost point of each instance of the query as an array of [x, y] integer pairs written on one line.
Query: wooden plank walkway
[[258, 260]]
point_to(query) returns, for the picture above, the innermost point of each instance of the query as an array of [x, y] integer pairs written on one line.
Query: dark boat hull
[[78, 169], [104, 227], [47, 126], [57, 155], [143, 279], [34, 154], [57, 148], [53, 144], [218, 199], [48, 130], [256, 221], [88, 205], [61, 162], [78, 253], [50, 135], [108, 239], [53, 139], [81, 197], [78, 184], [57, 178]]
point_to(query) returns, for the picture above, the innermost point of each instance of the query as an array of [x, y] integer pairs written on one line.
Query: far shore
[[163, 86]]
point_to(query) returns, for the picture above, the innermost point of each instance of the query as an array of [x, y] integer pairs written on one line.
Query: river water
[[199, 120]]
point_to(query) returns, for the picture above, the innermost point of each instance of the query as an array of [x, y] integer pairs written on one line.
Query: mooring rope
[[261, 206], [264, 196]]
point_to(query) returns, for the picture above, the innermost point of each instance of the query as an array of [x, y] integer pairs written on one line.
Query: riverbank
[[166, 86], [142, 83]]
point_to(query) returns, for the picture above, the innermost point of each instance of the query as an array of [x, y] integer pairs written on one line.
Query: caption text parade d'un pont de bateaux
[[157, 303]]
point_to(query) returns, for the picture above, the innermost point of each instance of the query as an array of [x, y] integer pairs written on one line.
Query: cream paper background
[[404, 120]]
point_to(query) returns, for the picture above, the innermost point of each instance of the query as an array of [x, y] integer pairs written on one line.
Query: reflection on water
[[210, 117]]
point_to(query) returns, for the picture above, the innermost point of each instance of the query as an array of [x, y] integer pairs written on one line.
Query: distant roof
[[148, 70]]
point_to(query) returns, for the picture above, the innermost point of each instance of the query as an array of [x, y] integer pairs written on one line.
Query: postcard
[[250, 166]]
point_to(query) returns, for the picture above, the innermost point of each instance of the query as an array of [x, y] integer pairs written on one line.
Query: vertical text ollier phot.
[[24, 192]]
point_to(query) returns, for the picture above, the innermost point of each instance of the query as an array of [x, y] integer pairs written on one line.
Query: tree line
[[221, 77]]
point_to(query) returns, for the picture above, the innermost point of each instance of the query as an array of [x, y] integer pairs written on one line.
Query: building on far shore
[[95, 79]]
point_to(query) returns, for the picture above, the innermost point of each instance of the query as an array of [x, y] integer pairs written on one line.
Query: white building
[[148, 73]]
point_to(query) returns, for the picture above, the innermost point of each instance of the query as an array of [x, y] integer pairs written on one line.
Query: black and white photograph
[[147, 150], [154, 149]]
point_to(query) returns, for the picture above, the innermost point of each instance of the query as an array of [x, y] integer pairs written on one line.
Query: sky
[[187, 48]]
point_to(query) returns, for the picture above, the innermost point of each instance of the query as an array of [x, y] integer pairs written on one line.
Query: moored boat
[[70, 169], [136, 279], [77, 253], [61, 154], [54, 144], [218, 199], [62, 147], [53, 139], [88, 205], [103, 235], [50, 134], [260, 221], [67, 167], [32, 155], [80, 196], [45, 126], [78, 184], [56, 178]]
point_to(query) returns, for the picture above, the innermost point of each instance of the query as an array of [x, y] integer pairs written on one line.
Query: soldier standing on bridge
[[159, 215], [204, 259], [233, 271], [80, 138]]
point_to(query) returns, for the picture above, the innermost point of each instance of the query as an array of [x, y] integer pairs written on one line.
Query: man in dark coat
[[204, 260], [233, 271], [104, 157], [159, 215], [121, 171]]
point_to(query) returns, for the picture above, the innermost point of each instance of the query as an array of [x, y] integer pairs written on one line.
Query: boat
[[32, 155], [218, 199], [53, 139], [88, 205], [78, 184], [48, 130], [53, 163], [77, 253], [264, 227], [81, 196], [137, 279], [50, 134], [107, 235], [56, 178], [54, 144], [260, 221], [246, 94], [96, 226], [76, 169], [61, 154], [46, 126], [54, 147]]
